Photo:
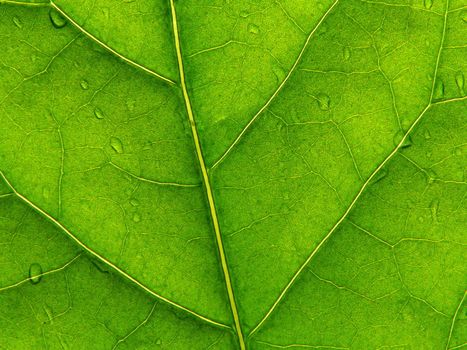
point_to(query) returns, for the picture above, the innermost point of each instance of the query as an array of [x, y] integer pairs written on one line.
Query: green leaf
[[193, 174]]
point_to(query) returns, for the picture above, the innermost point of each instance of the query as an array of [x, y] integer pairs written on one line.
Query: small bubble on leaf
[[106, 12], [136, 217], [323, 101], [399, 137], [99, 114], [35, 273], [58, 21], [346, 53], [460, 81], [131, 104], [116, 145], [84, 84], [147, 146], [464, 15], [100, 266], [244, 13], [46, 192], [428, 4], [279, 72], [380, 175], [323, 29], [434, 206], [430, 176], [17, 22], [50, 315], [438, 93], [253, 28]]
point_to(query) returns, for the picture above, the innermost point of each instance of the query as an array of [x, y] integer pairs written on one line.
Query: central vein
[[207, 184]]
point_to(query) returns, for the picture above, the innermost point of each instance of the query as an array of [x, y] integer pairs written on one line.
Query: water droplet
[[134, 202], [253, 28], [460, 82], [279, 72], [100, 266], [17, 22], [346, 53], [434, 206], [100, 115], [63, 343], [147, 146], [428, 4], [58, 21], [427, 134], [421, 219], [48, 310], [105, 12], [46, 192], [405, 123], [136, 217], [464, 15], [244, 13], [35, 273], [131, 104], [84, 84], [430, 176], [116, 145], [398, 138], [380, 175], [323, 29], [323, 101], [439, 90]]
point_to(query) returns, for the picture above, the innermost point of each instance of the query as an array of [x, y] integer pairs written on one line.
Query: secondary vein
[[206, 181], [276, 92], [101, 258], [107, 47], [362, 189]]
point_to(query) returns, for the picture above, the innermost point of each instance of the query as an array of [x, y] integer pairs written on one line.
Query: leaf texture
[[232, 175]]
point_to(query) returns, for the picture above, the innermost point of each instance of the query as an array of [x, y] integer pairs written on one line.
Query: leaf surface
[[231, 175]]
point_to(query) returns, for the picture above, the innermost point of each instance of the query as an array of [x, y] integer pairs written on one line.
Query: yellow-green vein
[[207, 184]]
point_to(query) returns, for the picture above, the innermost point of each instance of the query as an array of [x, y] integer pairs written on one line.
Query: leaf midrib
[[206, 181]]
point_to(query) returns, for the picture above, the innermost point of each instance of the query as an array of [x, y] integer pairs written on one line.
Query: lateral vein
[[365, 185], [89, 35], [279, 88], [337, 224], [206, 180], [103, 259], [108, 48]]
